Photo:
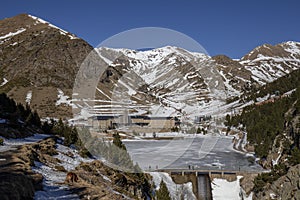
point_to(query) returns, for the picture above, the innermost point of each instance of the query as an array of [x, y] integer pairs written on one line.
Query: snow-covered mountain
[[167, 81], [173, 81], [39, 63]]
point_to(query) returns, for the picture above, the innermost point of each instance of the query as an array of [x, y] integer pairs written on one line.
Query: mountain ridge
[[41, 61]]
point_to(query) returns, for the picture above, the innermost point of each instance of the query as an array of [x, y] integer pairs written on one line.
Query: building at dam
[[106, 122]]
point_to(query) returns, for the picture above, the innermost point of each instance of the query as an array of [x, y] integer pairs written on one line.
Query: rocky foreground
[[18, 181], [91, 180]]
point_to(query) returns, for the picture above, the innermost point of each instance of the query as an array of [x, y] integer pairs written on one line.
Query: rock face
[[286, 187], [247, 183], [36, 55]]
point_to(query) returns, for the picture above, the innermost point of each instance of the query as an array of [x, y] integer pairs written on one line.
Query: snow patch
[[293, 48], [28, 97], [225, 190], [61, 31], [4, 82], [130, 90], [11, 34], [69, 163], [102, 93], [51, 187], [63, 99], [12, 143]]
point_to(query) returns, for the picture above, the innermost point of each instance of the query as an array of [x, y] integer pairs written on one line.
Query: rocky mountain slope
[[173, 81], [36, 60], [286, 187], [164, 81]]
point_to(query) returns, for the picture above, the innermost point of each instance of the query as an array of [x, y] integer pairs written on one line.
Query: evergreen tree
[[163, 192], [36, 119], [118, 142], [47, 128], [295, 156], [29, 119], [59, 127]]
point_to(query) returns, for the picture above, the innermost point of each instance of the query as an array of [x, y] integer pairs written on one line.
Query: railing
[[207, 171]]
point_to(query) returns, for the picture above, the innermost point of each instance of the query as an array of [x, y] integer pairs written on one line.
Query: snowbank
[[225, 190]]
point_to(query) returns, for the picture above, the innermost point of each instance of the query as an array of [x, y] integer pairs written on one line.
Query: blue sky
[[230, 27]]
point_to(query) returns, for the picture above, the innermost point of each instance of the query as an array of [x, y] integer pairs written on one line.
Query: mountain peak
[[63, 32], [283, 50], [36, 54], [11, 26]]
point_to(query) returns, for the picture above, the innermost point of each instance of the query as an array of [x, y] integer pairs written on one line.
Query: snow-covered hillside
[[267, 63], [167, 81], [171, 81]]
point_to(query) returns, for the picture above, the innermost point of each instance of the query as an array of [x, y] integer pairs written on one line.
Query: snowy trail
[[51, 187], [11, 144], [52, 184]]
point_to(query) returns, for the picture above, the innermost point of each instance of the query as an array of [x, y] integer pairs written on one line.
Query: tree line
[[273, 124]]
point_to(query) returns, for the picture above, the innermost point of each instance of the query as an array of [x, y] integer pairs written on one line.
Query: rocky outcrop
[[286, 187], [247, 183], [18, 181], [98, 181], [238, 76], [90, 180]]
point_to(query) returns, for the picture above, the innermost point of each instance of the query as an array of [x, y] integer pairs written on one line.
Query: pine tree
[[29, 119], [59, 127], [36, 119], [295, 156], [47, 128], [163, 192], [118, 142]]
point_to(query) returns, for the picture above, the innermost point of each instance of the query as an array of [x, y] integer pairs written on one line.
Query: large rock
[[286, 187]]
